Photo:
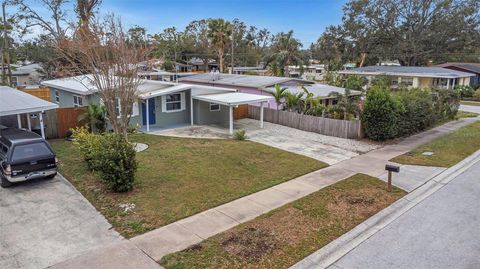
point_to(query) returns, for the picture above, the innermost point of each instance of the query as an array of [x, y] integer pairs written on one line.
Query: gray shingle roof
[[469, 67], [414, 71]]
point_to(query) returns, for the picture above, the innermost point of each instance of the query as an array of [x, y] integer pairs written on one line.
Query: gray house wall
[[66, 98], [203, 115]]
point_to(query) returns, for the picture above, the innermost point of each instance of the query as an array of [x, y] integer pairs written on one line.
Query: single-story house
[[161, 104], [262, 85], [30, 74], [156, 75], [414, 76], [473, 68], [198, 65], [310, 72], [16, 103], [245, 70]]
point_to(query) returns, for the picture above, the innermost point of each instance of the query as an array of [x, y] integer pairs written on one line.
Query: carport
[[233, 99], [16, 102]]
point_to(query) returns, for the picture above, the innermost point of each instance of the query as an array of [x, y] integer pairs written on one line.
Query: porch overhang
[[234, 99]]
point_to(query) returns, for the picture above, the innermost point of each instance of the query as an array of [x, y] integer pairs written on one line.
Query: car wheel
[[4, 182], [51, 176]]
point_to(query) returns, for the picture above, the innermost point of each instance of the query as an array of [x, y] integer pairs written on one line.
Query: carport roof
[[14, 102], [233, 98]]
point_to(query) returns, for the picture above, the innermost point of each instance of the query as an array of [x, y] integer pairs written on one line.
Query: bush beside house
[[389, 114], [110, 155]]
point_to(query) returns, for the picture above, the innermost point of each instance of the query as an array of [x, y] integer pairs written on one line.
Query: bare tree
[[106, 58], [55, 25]]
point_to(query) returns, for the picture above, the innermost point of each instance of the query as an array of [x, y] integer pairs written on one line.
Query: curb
[[338, 248]]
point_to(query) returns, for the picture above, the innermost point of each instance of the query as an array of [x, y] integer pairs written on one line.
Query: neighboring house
[[310, 72], [414, 77], [473, 68], [198, 65], [156, 75], [182, 67], [248, 70], [30, 74], [161, 104], [262, 85]]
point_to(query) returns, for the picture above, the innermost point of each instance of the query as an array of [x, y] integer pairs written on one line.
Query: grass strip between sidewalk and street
[[179, 177], [470, 103], [282, 237], [447, 150]]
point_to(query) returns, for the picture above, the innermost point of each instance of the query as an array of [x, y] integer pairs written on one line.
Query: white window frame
[[79, 102], [182, 103], [214, 110], [57, 96], [402, 81]]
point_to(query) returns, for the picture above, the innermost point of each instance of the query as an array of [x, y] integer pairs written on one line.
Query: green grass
[[464, 114], [178, 177], [470, 103], [282, 237], [448, 150]]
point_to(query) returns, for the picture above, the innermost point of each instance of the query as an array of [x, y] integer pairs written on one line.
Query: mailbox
[[392, 168]]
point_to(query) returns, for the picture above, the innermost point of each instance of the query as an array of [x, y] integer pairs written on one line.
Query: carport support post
[[261, 115], [29, 122], [231, 120], [148, 115], [191, 109], [19, 121], [41, 124]]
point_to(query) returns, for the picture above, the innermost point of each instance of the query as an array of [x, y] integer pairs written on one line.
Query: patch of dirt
[[196, 247], [250, 243], [289, 226]]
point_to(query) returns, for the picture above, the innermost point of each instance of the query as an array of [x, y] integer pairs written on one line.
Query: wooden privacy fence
[[60, 120], [331, 127]]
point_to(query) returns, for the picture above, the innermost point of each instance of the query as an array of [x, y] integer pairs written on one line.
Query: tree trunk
[[220, 59], [363, 56]]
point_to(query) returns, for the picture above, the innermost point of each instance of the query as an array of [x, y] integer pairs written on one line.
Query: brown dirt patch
[[250, 243]]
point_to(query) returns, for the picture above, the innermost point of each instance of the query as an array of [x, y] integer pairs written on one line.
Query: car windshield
[[30, 150]]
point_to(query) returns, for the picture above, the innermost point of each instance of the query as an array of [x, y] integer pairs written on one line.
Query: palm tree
[[94, 118], [285, 51], [279, 94], [308, 100], [346, 103], [293, 101], [219, 32]]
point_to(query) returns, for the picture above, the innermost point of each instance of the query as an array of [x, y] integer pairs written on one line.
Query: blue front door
[[151, 111]]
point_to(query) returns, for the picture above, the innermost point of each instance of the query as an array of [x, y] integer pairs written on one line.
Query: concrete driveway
[[47, 221], [327, 149]]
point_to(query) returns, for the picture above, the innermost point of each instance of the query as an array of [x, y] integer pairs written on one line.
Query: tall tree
[[285, 51], [85, 10], [197, 40], [219, 32]]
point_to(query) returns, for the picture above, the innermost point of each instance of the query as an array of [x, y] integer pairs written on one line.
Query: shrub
[[445, 103], [116, 163], [110, 155], [476, 95], [415, 112], [379, 116], [241, 134], [464, 91]]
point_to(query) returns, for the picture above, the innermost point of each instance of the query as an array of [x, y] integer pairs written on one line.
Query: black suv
[[23, 156]]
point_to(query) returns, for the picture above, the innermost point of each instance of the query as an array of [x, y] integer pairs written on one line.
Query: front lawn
[[470, 103], [284, 236], [178, 177], [447, 150]]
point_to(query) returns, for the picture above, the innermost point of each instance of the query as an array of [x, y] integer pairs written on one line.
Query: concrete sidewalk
[[435, 226], [181, 234]]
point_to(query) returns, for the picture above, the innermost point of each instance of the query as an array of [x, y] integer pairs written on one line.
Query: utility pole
[[233, 39], [6, 54]]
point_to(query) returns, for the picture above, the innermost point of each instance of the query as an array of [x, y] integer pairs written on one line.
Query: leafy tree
[[95, 118], [219, 32], [346, 103], [285, 51], [293, 101]]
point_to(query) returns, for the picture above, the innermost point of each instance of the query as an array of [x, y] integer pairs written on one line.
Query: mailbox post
[[391, 168]]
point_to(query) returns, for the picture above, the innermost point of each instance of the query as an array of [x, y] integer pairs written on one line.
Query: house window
[[77, 101], [174, 102], [14, 81], [214, 107], [57, 97], [407, 81]]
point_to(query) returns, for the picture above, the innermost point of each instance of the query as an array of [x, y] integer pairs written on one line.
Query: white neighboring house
[[310, 72]]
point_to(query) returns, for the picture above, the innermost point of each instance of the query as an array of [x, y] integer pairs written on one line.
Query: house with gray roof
[[264, 85], [473, 68], [30, 74], [414, 76]]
